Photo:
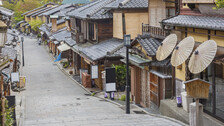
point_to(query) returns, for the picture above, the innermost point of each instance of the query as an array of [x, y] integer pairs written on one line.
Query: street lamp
[[127, 43], [22, 39]]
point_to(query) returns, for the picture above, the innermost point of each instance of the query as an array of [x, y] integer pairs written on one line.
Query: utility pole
[[22, 39], [127, 43]]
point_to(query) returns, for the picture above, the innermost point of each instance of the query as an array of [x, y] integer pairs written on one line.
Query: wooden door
[[136, 84], [154, 89]]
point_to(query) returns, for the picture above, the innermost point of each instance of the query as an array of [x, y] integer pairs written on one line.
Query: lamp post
[[127, 43], [22, 39]]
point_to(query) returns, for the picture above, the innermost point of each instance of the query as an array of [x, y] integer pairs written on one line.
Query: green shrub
[[35, 24], [38, 35], [120, 76], [8, 114], [65, 64], [123, 98]]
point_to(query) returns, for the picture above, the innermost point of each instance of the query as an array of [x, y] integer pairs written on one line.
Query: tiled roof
[[45, 29], [149, 44], [61, 35], [20, 22], [101, 50], [93, 10], [38, 8], [70, 41], [206, 22], [56, 9], [35, 12], [63, 12], [11, 52], [40, 12], [75, 1], [130, 4], [25, 24], [6, 11]]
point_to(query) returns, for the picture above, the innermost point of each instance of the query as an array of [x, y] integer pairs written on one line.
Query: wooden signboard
[[197, 88]]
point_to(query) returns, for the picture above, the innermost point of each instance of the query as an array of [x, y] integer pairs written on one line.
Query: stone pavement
[[53, 99]]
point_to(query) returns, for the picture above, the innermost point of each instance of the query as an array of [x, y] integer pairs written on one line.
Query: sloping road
[[52, 99]]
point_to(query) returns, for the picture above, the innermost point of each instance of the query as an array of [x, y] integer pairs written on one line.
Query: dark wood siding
[[105, 30]]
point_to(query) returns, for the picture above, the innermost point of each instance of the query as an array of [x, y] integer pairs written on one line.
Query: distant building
[[75, 1]]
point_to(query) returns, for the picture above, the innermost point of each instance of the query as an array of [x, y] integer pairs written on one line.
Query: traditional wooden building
[[27, 15], [6, 16], [159, 85], [92, 29], [59, 10], [199, 20]]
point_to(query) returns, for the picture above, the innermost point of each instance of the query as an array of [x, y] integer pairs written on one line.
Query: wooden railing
[[155, 32], [198, 1]]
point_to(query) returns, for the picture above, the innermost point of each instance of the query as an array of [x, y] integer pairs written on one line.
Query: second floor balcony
[[155, 32]]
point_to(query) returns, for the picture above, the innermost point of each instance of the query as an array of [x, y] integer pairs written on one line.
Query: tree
[[35, 24], [21, 7], [219, 4]]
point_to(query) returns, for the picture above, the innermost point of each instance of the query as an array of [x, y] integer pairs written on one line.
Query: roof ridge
[[100, 7], [92, 4]]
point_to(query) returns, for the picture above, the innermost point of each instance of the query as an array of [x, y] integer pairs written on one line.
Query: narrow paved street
[[53, 99]]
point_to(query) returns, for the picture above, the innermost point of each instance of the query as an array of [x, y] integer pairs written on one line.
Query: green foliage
[[123, 98], [38, 35], [219, 4], [45, 42], [65, 64], [8, 114], [22, 6], [120, 75], [35, 24], [93, 94]]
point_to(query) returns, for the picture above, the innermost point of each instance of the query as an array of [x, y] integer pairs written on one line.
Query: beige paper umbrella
[[166, 48], [182, 51], [202, 56]]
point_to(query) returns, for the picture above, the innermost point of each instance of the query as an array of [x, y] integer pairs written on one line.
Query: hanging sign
[[94, 72], [15, 77]]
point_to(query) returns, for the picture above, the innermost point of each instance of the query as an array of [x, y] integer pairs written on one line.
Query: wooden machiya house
[[201, 21], [59, 10], [151, 80], [27, 15], [92, 29]]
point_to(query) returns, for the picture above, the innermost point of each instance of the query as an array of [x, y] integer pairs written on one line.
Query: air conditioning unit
[[80, 38]]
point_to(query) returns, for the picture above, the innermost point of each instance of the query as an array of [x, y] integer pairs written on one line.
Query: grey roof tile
[[206, 22], [93, 10], [6, 11], [35, 12], [149, 44], [61, 35], [38, 8], [101, 50], [130, 4], [70, 41], [56, 9]]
